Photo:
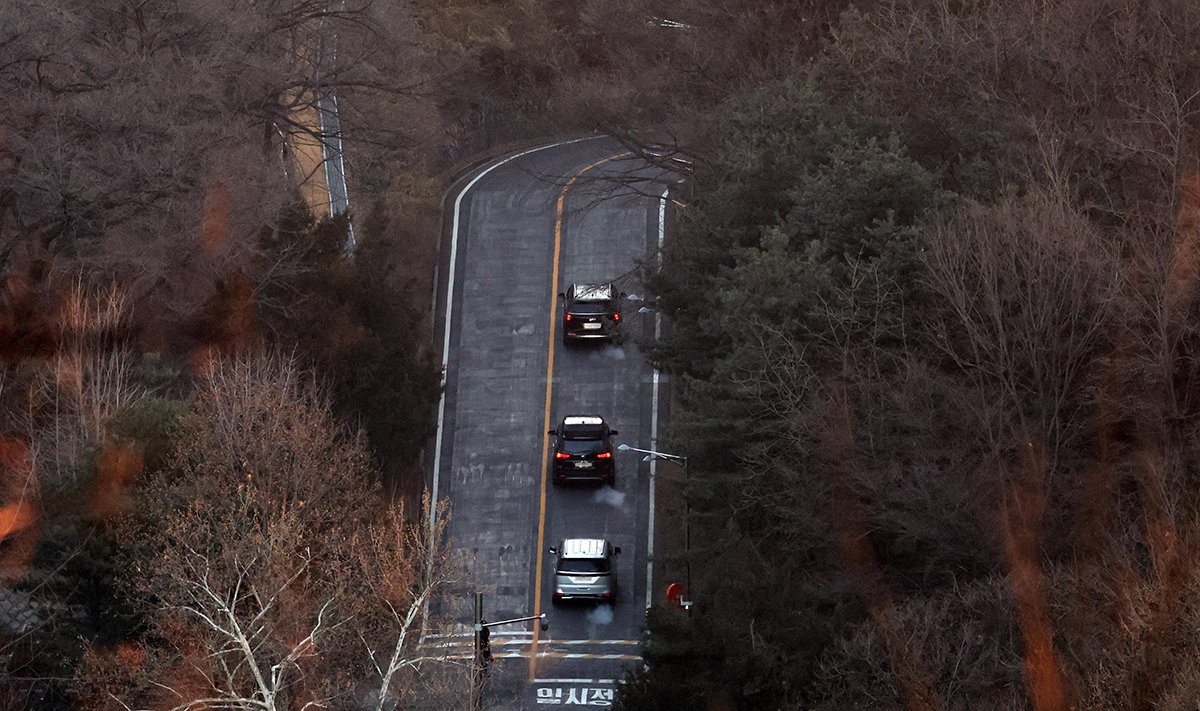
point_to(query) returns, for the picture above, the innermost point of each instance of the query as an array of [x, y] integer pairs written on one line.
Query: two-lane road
[[521, 230]]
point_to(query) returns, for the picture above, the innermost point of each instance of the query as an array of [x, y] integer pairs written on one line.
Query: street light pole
[[542, 617], [678, 458], [682, 461], [482, 655], [483, 647]]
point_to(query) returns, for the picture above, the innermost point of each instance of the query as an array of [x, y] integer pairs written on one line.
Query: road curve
[[521, 229]]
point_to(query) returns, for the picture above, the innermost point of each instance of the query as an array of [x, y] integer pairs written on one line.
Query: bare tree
[[277, 575], [1031, 293], [395, 556], [1116, 96], [145, 137]]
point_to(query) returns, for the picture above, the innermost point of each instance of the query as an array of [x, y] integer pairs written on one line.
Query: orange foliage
[[1182, 279], [26, 328], [239, 323], [205, 359], [229, 324], [1025, 506], [129, 655], [908, 668], [118, 464], [15, 517], [20, 486], [214, 225]]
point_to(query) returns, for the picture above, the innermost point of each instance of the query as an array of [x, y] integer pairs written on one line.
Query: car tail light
[[616, 317], [604, 455], [561, 455], [568, 317]]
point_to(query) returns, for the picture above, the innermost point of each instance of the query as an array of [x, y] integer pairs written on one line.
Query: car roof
[[582, 548], [592, 292], [583, 428], [583, 420]]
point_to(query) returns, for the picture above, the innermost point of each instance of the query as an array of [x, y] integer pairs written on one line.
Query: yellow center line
[[541, 537]]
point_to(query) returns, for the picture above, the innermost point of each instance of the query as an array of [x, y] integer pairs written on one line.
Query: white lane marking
[[437, 449], [574, 681], [471, 642], [562, 655], [545, 642], [591, 641], [471, 635], [524, 654], [662, 214]]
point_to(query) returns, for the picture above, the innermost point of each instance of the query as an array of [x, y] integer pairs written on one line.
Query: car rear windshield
[[581, 446], [589, 307], [583, 565], [592, 432]]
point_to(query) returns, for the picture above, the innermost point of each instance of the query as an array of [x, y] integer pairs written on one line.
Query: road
[[521, 230]]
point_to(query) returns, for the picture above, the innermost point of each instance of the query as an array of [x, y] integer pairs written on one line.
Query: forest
[[932, 333]]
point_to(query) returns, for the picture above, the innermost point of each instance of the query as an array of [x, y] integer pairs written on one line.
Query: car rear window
[[592, 432], [583, 565], [581, 446], [589, 307]]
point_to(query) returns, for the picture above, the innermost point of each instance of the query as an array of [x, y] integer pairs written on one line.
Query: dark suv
[[583, 449], [590, 312]]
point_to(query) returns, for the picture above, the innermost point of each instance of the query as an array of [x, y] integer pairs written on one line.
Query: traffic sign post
[[675, 596]]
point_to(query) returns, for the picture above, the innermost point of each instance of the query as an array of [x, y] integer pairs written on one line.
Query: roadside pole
[[483, 655], [483, 647]]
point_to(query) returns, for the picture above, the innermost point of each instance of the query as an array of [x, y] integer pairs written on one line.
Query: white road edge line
[[541, 643], [581, 655], [591, 641], [437, 449], [574, 681], [662, 214]]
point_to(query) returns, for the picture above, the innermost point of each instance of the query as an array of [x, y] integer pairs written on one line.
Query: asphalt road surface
[[520, 230]]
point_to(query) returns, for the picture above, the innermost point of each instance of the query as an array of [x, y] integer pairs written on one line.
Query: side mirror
[[613, 432], [616, 549], [553, 550], [551, 431], [562, 295]]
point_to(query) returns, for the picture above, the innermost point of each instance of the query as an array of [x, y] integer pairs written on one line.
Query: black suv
[[583, 449], [590, 312]]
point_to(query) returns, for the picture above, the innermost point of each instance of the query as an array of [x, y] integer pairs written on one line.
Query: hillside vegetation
[[932, 340], [933, 344]]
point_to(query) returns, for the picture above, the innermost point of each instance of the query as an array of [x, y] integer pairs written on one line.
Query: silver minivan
[[585, 569]]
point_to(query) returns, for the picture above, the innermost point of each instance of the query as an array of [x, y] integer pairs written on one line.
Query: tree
[[1028, 295], [145, 139], [79, 423], [276, 576], [1001, 93], [837, 351], [354, 322]]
